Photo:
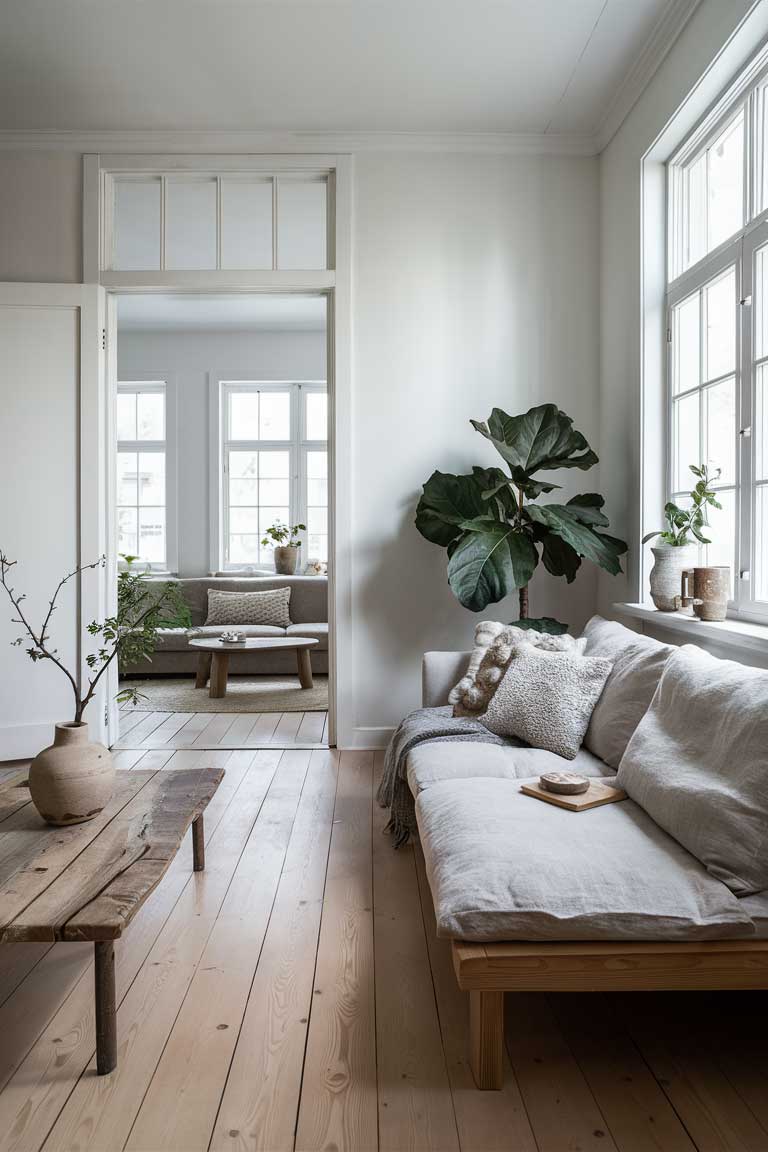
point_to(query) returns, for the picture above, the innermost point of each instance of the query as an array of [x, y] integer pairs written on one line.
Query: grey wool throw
[[419, 727]]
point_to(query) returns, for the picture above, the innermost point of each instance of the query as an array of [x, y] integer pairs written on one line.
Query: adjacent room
[[384, 576]]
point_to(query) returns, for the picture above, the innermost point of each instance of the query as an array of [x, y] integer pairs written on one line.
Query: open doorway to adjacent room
[[221, 507]]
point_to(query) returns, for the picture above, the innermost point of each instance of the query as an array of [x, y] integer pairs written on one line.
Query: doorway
[[220, 453]]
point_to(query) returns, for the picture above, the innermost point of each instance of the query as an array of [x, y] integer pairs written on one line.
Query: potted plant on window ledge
[[677, 551], [286, 543]]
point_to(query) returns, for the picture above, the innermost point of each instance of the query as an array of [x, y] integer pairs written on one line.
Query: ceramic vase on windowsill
[[286, 559], [669, 563], [73, 779]]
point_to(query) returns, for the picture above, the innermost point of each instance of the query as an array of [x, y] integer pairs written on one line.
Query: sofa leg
[[486, 1038]]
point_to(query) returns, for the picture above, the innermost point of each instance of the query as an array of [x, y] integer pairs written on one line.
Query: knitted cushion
[[546, 698], [249, 607]]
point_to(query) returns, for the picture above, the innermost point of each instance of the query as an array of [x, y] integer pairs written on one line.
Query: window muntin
[[274, 457], [142, 483]]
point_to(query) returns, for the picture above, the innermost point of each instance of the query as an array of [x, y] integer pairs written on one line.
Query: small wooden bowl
[[564, 783]]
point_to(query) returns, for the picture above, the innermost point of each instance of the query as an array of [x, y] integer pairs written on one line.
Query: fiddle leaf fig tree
[[493, 531]]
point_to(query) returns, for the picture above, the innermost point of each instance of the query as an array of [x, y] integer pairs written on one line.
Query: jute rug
[[244, 694]]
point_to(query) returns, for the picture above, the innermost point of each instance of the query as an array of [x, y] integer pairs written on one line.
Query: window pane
[[686, 345], [190, 227], [243, 492], [137, 224], [243, 549], [317, 491], [696, 208], [243, 464], [152, 534], [761, 422], [725, 184], [246, 223], [127, 540], [151, 416], [317, 465], [301, 224], [316, 415], [317, 547], [761, 543], [243, 415], [244, 520], [126, 415], [275, 415], [720, 312], [720, 429], [722, 532], [317, 520], [686, 440], [151, 478], [274, 491], [275, 465], [127, 475], [268, 516], [761, 303]]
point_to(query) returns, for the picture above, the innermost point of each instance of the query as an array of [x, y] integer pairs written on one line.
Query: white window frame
[[747, 92], [221, 387], [165, 383]]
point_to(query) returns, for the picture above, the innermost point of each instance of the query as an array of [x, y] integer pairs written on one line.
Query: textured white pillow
[[485, 633], [546, 698], [269, 607], [475, 690]]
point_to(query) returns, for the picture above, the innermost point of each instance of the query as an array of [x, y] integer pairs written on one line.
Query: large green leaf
[[587, 508], [446, 502], [565, 522], [487, 566], [542, 438], [541, 624], [558, 557]]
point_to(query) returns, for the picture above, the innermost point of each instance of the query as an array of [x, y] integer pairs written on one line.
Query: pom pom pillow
[[547, 698]]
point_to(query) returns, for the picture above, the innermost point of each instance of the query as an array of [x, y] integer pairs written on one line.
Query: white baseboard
[[23, 741], [369, 738]]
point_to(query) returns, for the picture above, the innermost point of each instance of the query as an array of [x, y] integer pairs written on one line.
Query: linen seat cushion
[[317, 632], [637, 663], [439, 760], [546, 698], [698, 764], [248, 630], [505, 866], [236, 608]]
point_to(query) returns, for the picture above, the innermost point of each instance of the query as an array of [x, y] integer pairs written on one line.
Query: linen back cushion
[[249, 607], [638, 662], [546, 698], [698, 764]]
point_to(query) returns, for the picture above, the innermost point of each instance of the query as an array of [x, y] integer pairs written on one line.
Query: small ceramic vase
[[285, 560], [707, 590], [73, 780], [667, 571]]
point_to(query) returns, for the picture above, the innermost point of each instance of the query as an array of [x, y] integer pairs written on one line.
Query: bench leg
[[106, 1016], [486, 1038], [198, 844]]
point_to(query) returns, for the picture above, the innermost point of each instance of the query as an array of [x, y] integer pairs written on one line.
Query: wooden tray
[[597, 794]]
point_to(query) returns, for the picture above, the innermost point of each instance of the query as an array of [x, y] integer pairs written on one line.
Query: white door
[[53, 511]]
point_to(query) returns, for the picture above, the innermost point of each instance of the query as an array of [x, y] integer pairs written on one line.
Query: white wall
[[475, 284], [189, 357]]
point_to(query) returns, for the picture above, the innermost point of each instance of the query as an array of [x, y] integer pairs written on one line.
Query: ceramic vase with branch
[[73, 779]]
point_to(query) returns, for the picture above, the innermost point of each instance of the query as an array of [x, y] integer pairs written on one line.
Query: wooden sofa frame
[[487, 971]]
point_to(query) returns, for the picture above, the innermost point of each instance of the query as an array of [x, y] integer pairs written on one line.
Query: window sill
[[738, 634]]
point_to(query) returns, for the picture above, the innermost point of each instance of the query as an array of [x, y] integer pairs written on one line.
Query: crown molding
[[639, 76], [255, 142]]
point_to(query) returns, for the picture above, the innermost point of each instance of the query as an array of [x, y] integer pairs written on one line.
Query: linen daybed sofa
[[663, 894], [308, 610]]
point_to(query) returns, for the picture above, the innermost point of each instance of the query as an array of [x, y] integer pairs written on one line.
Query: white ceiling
[[221, 313], [518, 66]]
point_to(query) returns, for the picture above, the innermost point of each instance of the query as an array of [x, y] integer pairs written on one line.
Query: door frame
[[333, 283]]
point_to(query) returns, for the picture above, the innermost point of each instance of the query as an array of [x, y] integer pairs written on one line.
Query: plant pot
[[666, 574], [71, 781], [286, 559]]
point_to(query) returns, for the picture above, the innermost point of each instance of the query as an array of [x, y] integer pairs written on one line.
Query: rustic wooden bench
[[88, 881], [487, 971]]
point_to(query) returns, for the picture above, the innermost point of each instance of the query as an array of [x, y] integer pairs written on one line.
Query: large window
[[274, 467], [143, 472], [717, 333]]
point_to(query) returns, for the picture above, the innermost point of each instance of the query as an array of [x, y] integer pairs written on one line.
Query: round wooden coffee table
[[213, 660]]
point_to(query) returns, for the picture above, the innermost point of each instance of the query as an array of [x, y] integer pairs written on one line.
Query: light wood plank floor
[[221, 730], [294, 995]]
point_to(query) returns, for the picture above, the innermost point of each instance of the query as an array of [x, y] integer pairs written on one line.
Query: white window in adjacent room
[[274, 468], [142, 472], [717, 334]]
